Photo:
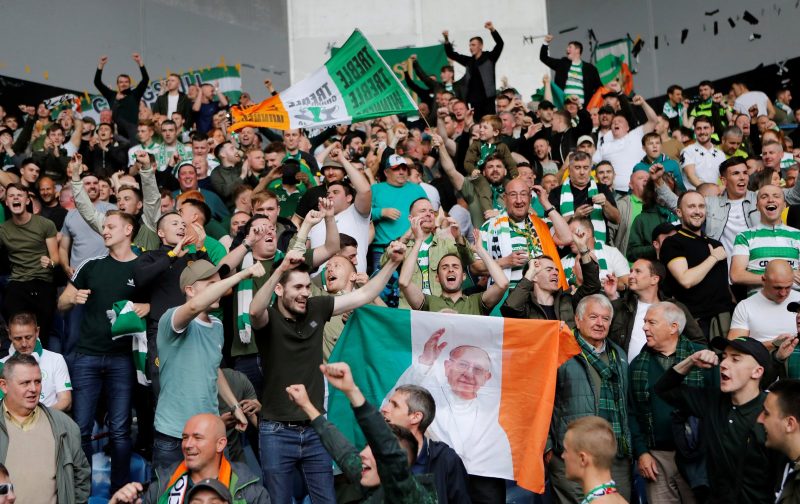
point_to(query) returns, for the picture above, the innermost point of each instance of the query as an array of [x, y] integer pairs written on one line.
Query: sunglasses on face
[[6, 488]]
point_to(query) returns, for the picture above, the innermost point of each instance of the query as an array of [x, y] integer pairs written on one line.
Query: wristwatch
[[547, 212]]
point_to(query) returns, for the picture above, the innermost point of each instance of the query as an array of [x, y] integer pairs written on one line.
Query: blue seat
[[101, 475]]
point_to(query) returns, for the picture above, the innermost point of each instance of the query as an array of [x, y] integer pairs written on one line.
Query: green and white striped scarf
[[567, 208], [124, 322], [244, 296], [487, 149]]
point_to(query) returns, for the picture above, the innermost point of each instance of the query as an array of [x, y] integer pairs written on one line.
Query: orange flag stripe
[[532, 351], [270, 113]]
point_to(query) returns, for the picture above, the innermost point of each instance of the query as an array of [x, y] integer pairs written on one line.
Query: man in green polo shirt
[[450, 275]]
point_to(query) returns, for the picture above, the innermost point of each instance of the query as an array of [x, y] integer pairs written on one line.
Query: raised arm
[[449, 167], [213, 292], [544, 55], [462, 59], [411, 291], [494, 293], [140, 89], [151, 197], [494, 54], [363, 199], [107, 93], [563, 235], [259, 316], [94, 217], [652, 117], [370, 291]]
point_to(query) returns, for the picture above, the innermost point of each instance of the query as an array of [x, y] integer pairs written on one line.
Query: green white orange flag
[[493, 380], [354, 85]]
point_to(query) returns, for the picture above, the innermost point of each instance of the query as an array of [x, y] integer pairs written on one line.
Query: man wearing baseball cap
[[740, 467], [391, 201], [189, 345]]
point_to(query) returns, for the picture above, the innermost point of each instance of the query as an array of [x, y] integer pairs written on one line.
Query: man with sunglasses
[[7, 495], [391, 201]]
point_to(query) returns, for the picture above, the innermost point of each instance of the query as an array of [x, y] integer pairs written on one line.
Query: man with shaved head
[[754, 248], [763, 316], [203, 444]]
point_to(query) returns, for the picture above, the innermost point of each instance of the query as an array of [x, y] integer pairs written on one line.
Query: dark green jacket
[[73, 473], [790, 494], [640, 240], [398, 485], [522, 304], [575, 395], [660, 431]]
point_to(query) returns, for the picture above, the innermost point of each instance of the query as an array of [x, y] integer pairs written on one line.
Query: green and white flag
[[354, 85], [610, 57], [125, 322]]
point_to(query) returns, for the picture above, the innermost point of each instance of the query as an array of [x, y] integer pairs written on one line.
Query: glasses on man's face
[[463, 366], [519, 195], [6, 488]]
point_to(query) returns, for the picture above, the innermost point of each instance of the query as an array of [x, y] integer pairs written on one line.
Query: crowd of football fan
[[667, 240]]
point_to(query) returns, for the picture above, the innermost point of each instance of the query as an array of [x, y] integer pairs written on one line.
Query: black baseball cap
[[662, 229], [746, 345], [210, 484]]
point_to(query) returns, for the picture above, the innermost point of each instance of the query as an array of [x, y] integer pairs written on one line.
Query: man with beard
[[230, 174], [740, 467], [30, 243], [697, 268], [701, 160], [754, 248], [450, 274], [434, 246], [484, 193], [290, 336], [50, 207]]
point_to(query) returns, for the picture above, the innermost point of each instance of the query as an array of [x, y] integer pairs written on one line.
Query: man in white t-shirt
[[746, 99], [352, 204], [145, 132], [700, 161], [764, 316], [23, 331], [622, 147]]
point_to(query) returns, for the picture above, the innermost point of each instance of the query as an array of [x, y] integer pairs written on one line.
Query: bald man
[[763, 316], [204, 441], [754, 248]]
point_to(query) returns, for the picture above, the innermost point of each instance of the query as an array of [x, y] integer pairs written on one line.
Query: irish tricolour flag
[[493, 380], [355, 85]]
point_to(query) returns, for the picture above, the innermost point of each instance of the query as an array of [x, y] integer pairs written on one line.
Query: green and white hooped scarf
[[487, 149], [244, 296], [567, 208]]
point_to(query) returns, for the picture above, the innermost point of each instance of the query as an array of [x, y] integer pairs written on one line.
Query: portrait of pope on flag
[[464, 380]]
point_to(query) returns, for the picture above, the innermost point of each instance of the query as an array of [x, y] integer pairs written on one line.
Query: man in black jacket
[[573, 76], [124, 103], [173, 100], [478, 83], [538, 295], [413, 407]]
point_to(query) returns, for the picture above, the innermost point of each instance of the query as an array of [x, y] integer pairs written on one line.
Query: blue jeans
[[167, 451], [285, 450], [113, 376]]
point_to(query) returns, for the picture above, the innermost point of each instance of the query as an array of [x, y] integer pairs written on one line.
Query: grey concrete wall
[[64, 38], [703, 55]]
